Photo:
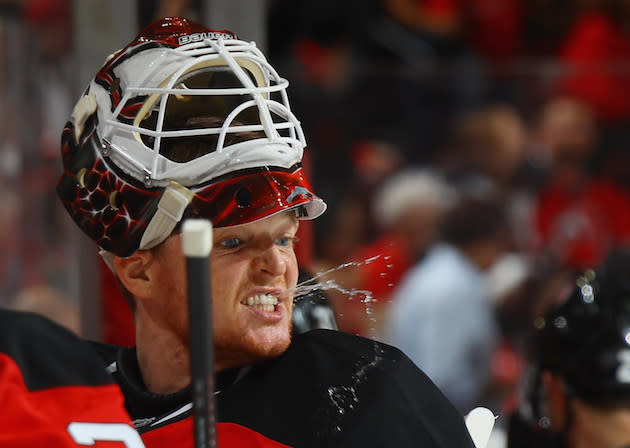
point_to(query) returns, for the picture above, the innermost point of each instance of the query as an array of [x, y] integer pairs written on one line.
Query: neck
[[163, 358]]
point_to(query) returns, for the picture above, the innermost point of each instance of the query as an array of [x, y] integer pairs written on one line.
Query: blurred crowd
[[38, 270], [473, 154]]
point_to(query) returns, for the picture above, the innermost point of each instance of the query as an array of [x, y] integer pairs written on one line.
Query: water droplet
[[319, 283], [544, 422], [342, 397]]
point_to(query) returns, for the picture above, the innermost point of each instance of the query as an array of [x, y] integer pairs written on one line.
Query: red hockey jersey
[[55, 392], [329, 389]]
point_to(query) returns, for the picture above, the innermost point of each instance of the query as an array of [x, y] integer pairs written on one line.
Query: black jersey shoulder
[[109, 353], [338, 390], [48, 354], [525, 434]]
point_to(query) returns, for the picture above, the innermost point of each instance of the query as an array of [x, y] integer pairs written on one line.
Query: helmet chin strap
[[108, 258], [169, 212]]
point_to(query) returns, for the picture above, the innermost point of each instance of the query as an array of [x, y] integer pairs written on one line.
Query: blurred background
[[477, 150]]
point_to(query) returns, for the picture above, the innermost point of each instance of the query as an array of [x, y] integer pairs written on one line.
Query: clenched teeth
[[264, 302]]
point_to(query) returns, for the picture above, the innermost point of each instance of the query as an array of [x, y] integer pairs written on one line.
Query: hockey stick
[[197, 244]]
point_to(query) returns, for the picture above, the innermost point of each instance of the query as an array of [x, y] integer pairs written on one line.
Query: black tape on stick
[[197, 244]]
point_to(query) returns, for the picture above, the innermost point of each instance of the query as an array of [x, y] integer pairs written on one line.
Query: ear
[[556, 391], [134, 272]]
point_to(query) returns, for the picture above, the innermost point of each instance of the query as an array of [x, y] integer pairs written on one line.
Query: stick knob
[[197, 237]]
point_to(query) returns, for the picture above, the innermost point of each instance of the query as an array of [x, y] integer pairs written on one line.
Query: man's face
[[252, 267], [599, 428]]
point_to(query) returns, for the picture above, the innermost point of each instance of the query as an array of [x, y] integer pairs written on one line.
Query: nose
[[271, 261]]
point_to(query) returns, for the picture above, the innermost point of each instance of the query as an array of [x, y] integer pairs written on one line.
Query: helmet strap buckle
[[170, 210]]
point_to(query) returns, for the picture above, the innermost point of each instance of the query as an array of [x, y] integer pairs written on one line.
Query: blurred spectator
[[50, 23], [520, 289], [340, 234], [484, 21], [48, 76], [311, 43], [408, 209], [374, 162], [579, 217], [595, 54], [349, 223], [441, 315], [487, 146], [509, 281], [419, 73], [545, 26], [487, 19], [488, 152]]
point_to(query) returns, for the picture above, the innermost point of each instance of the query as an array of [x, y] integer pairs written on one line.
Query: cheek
[[171, 270], [175, 288], [168, 303], [293, 273], [173, 273], [224, 281], [292, 270], [170, 281]]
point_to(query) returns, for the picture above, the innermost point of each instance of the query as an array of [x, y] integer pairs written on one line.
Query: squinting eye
[[285, 241], [231, 243]]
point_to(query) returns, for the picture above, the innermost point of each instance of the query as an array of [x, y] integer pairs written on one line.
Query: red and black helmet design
[[181, 85]]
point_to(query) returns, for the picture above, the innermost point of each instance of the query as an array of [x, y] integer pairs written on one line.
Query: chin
[[269, 344], [271, 352], [254, 347]]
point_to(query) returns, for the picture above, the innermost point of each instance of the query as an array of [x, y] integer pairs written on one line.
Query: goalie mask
[[183, 122]]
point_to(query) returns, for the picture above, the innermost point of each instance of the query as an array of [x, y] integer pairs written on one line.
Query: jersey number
[[90, 433]]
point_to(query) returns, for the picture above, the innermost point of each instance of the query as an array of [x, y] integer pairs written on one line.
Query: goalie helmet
[[185, 121]]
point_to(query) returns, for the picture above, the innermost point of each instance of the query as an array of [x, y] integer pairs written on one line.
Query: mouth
[[262, 302]]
